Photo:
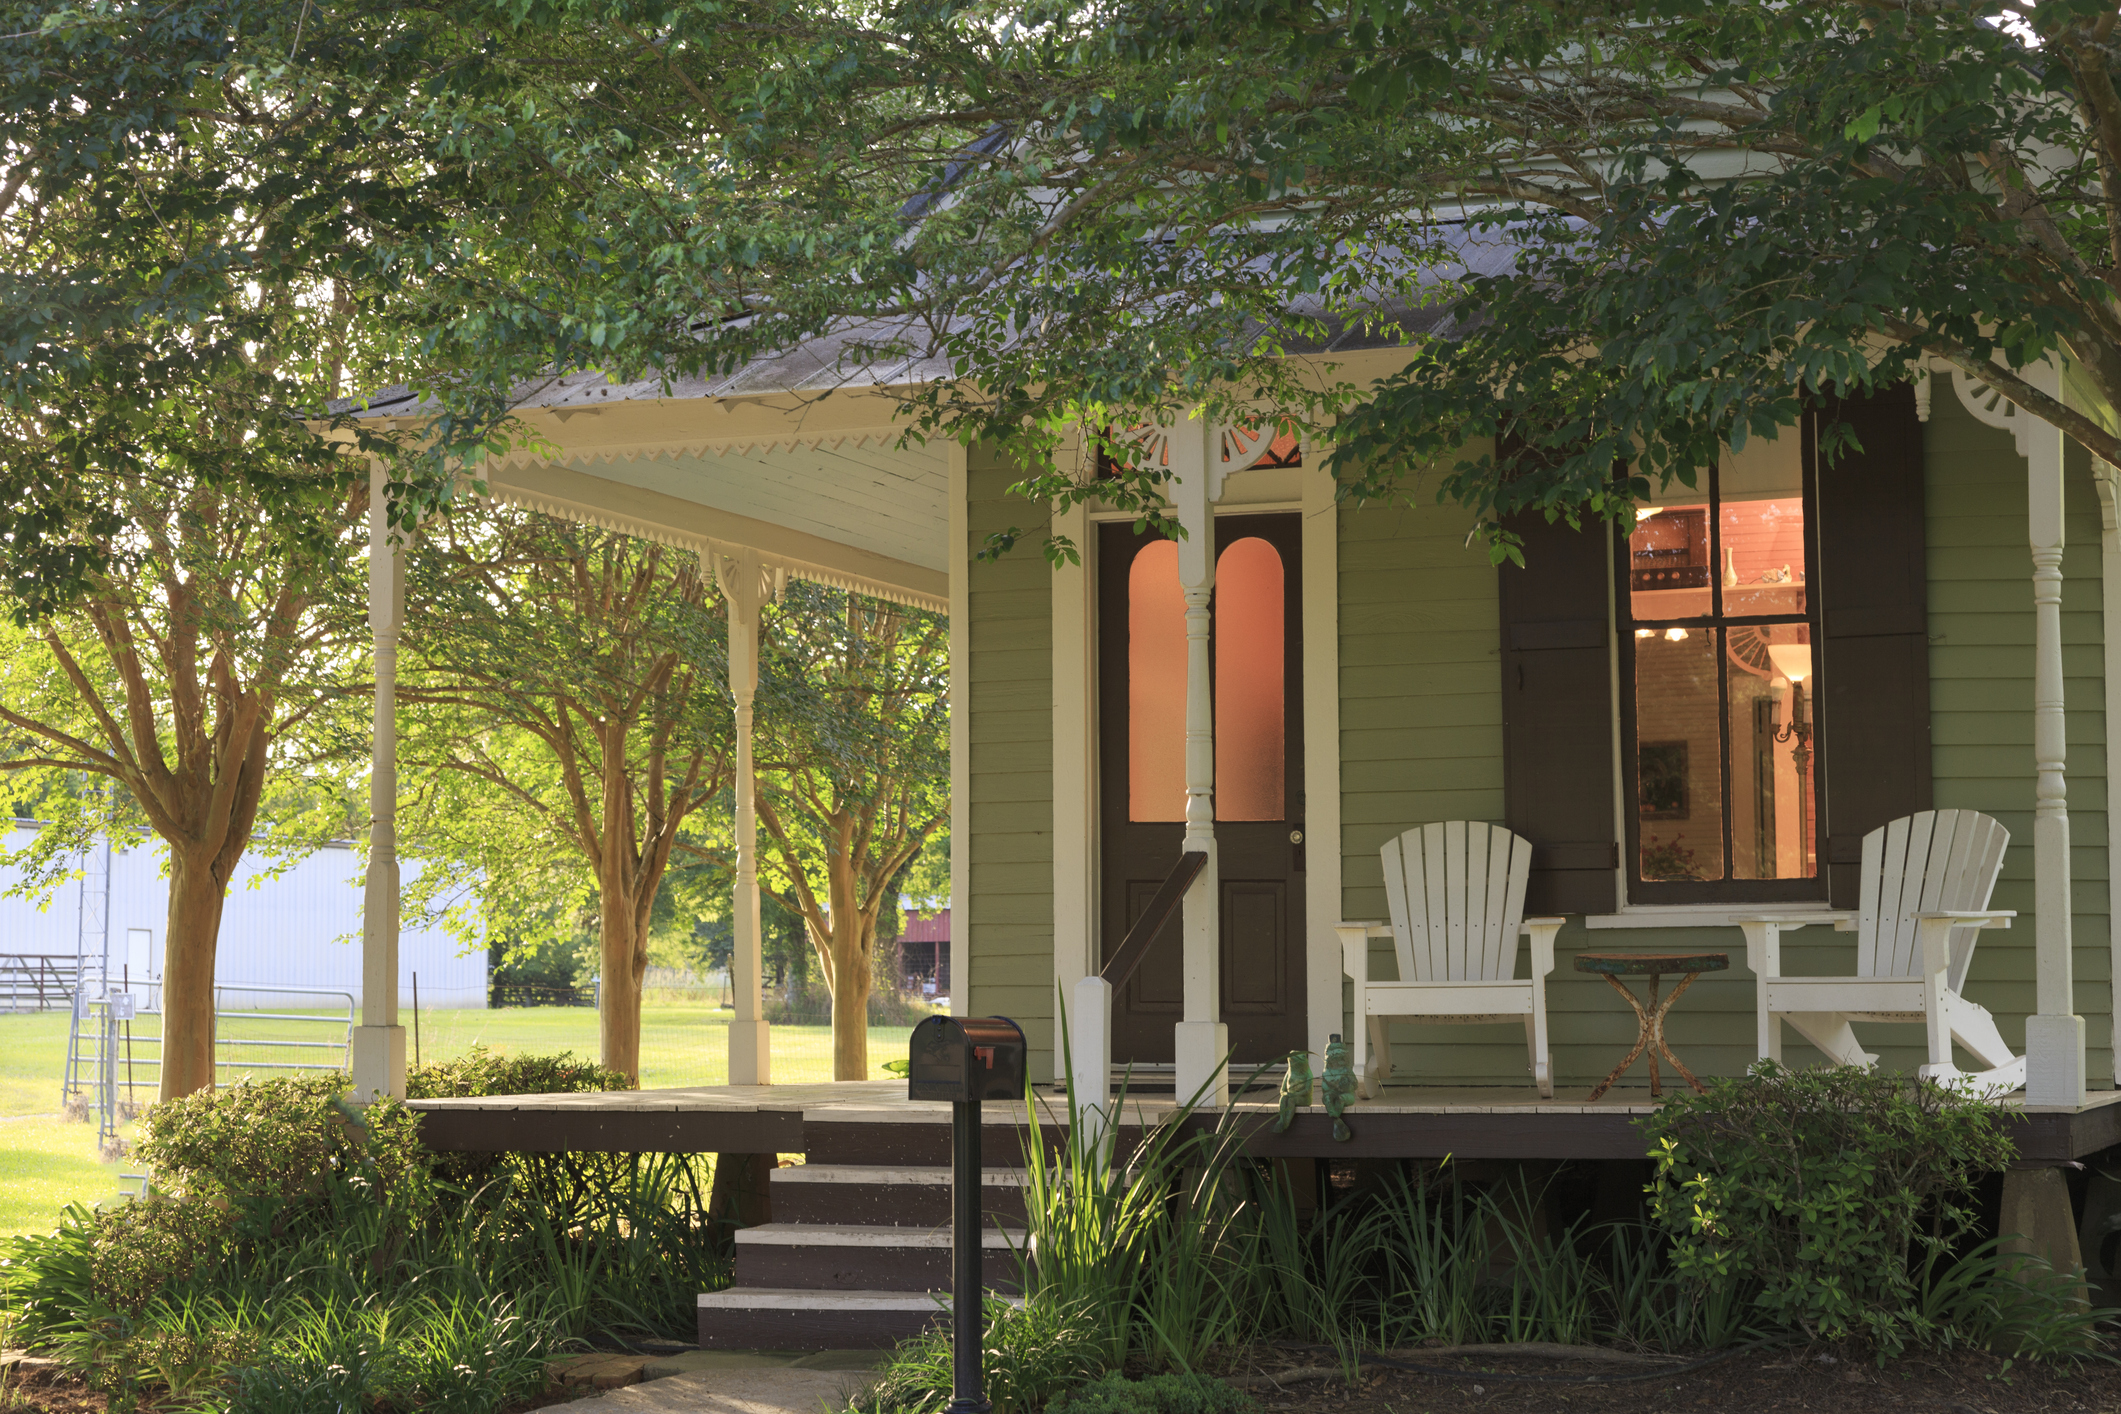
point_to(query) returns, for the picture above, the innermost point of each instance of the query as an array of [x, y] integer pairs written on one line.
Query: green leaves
[[1821, 1186], [1624, 232]]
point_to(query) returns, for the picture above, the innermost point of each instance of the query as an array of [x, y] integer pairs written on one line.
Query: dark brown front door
[[1257, 652]]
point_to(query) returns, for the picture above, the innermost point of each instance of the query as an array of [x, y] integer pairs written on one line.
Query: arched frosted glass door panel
[[1156, 686], [1255, 661], [1250, 744]]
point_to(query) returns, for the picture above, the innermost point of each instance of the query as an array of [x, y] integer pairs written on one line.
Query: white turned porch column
[[2103, 476], [1202, 1039], [378, 1051], [747, 586], [2054, 1034]]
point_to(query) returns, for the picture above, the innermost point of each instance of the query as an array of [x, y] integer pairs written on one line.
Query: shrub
[[888, 1006], [379, 1295], [268, 1160], [484, 1073], [1031, 1353], [276, 1143], [1824, 1186], [140, 1248], [1159, 1394], [645, 1213]]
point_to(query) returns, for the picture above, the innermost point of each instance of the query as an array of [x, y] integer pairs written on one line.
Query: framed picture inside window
[[1661, 776]]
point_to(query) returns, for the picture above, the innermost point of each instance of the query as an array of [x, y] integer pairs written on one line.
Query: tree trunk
[[191, 935], [622, 964], [850, 975]]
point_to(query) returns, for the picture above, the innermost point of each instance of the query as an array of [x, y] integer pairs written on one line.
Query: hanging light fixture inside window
[[1794, 661]]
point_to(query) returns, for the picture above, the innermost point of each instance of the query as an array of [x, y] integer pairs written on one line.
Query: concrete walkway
[[741, 1382]]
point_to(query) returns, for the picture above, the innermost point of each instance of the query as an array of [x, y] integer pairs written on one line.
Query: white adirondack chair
[[1926, 885], [1456, 890]]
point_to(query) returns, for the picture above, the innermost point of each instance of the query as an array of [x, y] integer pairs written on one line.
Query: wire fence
[[115, 1051], [37, 982]]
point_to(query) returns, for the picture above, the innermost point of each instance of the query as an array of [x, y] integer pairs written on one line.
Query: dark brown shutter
[[1874, 726], [1557, 707]]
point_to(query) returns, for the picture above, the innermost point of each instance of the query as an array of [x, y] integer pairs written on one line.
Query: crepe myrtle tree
[[201, 689], [179, 514], [854, 776], [566, 682]]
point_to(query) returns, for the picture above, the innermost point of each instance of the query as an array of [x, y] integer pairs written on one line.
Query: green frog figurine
[[1339, 1086], [1295, 1090]]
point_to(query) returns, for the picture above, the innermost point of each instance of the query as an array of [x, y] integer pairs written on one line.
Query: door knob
[[1296, 837]]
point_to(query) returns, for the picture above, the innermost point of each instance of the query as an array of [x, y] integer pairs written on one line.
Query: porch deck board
[[1403, 1122]]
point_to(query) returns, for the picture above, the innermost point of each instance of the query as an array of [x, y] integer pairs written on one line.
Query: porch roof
[[800, 454]]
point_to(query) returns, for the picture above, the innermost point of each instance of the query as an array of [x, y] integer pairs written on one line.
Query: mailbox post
[[966, 1060]]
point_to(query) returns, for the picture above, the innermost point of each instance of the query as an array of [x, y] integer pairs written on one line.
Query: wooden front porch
[[1413, 1122]]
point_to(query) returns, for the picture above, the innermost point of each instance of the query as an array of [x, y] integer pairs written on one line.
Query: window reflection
[[1156, 685], [1679, 754], [1774, 824], [1249, 667], [1760, 528], [1724, 677], [1250, 684], [1668, 562]]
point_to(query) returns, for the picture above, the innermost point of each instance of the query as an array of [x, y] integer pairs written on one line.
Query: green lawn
[[32, 1060], [680, 1045], [46, 1163]]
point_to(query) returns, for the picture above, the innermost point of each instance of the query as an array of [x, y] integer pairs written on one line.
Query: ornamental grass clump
[[1835, 1192]]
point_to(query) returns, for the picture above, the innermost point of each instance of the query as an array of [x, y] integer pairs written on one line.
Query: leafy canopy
[[1619, 230]]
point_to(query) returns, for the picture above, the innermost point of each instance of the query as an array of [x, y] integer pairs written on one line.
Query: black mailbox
[[966, 1059]]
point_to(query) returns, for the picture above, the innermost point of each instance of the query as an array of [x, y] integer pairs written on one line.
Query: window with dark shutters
[[1723, 819]]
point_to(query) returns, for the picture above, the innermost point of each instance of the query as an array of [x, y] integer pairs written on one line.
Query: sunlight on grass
[[46, 1163], [679, 1045], [32, 1060]]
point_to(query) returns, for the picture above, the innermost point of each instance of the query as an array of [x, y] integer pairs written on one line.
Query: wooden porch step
[[846, 1257], [764, 1318], [760, 1318], [921, 1141], [873, 1196]]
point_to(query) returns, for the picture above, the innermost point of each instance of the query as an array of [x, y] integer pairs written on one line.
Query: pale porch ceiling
[[820, 487], [797, 454]]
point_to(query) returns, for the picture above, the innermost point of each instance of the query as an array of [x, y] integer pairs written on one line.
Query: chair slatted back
[[1932, 861], [1457, 894]]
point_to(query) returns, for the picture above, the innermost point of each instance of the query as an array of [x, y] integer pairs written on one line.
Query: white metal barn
[[300, 929]]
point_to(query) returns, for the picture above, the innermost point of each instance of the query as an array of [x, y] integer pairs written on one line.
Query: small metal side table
[[1615, 965]]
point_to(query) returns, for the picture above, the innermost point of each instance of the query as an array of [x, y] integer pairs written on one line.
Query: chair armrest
[[1972, 918], [1355, 946], [1541, 931]]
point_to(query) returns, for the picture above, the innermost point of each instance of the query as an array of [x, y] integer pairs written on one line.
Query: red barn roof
[[926, 927]]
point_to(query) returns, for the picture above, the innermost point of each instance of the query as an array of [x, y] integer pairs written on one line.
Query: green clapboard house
[[1690, 726]]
